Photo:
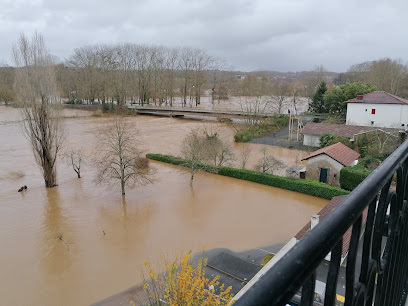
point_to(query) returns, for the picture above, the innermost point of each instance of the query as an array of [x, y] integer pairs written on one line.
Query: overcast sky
[[283, 35]]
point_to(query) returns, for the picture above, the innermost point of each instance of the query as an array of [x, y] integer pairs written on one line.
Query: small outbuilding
[[324, 165], [313, 131]]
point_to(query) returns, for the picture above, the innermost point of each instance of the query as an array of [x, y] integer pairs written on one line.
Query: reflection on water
[[57, 256], [79, 243]]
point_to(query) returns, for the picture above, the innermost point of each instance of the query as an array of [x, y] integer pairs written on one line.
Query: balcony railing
[[376, 271]]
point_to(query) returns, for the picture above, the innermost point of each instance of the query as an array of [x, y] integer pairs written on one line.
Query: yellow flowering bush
[[184, 283]]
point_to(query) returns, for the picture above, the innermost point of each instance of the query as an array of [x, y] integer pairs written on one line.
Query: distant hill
[[287, 76]]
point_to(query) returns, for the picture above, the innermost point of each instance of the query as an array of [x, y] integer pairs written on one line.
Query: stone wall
[[314, 165]]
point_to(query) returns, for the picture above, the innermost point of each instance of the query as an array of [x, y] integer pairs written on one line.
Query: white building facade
[[379, 109]]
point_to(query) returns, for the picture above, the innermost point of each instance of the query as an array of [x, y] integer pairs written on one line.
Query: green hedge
[[351, 177], [309, 187]]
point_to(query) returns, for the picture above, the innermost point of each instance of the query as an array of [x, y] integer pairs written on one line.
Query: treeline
[[390, 75], [134, 73], [139, 74]]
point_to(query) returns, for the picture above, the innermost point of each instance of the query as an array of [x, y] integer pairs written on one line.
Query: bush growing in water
[[143, 162]]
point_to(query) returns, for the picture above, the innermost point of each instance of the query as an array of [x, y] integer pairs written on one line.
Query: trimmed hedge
[[309, 187], [352, 176]]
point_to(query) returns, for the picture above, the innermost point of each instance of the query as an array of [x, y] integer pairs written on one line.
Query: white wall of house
[[386, 115], [311, 140]]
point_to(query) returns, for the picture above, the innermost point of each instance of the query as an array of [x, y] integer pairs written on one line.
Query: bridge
[[217, 113]]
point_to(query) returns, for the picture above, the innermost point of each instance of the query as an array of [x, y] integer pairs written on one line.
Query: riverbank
[[304, 186]]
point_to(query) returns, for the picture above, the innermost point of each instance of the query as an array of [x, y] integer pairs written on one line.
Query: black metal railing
[[376, 271]]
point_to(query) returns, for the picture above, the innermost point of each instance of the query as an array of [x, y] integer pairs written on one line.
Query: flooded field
[[79, 242]]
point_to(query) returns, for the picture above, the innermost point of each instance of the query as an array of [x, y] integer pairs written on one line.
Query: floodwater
[[78, 243]]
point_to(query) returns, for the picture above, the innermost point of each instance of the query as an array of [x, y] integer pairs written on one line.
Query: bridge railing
[[377, 261]]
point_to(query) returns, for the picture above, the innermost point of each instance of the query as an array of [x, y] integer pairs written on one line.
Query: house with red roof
[[313, 131], [378, 108], [324, 165]]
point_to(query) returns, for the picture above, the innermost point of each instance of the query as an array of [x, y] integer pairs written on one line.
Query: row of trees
[[139, 73]]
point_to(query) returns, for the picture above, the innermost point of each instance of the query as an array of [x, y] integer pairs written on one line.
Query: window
[[372, 122], [373, 111]]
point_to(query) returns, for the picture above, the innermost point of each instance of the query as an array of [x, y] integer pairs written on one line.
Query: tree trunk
[[122, 185], [50, 176]]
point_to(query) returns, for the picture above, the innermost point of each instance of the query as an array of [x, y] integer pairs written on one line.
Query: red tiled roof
[[379, 97], [323, 213], [339, 152], [348, 131]]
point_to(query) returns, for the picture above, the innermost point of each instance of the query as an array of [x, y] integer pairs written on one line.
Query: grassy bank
[[269, 125], [308, 187]]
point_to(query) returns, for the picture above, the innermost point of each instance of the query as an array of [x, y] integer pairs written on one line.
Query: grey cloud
[[260, 34]]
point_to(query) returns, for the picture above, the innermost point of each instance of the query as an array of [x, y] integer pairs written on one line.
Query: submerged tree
[[193, 151], [267, 163], [217, 151], [75, 159], [36, 88], [119, 158]]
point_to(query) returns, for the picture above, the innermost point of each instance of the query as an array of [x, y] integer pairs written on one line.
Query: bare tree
[[171, 61], [85, 62], [280, 93], [194, 151], [75, 159], [255, 109], [41, 112], [217, 151], [6, 84], [245, 152], [268, 163], [201, 61], [119, 158]]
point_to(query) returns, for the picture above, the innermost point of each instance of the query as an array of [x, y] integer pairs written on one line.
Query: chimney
[[360, 96], [402, 136], [314, 220]]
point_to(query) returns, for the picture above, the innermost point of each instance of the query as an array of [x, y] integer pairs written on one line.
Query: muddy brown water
[[79, 243]]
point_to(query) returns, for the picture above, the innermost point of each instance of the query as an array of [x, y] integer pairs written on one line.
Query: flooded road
[[79, 243]]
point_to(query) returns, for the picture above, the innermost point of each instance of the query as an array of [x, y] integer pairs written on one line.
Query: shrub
[[182, 283], [351, 177], [267, 258], [143, 162], [309, 187], [369, 162], [326, 139], [105, 107]]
